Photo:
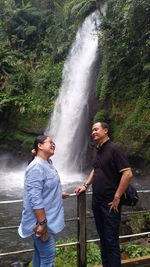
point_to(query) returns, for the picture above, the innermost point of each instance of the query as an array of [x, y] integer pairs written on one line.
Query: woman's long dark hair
[[38, 140]]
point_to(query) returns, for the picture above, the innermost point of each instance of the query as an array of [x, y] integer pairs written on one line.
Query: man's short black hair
[[104, 125]]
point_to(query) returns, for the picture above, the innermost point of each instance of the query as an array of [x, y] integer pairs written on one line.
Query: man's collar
[[101, 144]]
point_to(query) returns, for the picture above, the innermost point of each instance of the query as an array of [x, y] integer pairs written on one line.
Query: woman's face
[[48, 146]]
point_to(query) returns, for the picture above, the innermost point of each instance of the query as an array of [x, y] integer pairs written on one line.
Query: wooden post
[[81, 248]]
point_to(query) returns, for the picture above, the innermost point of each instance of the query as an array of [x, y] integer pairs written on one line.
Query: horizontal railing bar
[[15, 252], [144, 191], [92, 240], [72, 244], [9, 227], [124, 213], [72, 219], [138, 191], [21, 200], [73, 195], [128, 213], [11, 201], [67, 244], [121, 237], [16, 226], [31, 250], [70, 195], [134, 235], [134, 212]]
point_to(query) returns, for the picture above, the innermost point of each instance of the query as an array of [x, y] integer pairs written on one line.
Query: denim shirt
[[42, 189]]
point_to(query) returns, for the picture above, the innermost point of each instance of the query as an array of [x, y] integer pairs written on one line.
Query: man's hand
[[124, 182], [82, 188], [114, 204], [78, 190]]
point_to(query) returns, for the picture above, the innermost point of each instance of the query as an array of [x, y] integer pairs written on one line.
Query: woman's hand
[[65, 195], [41, 231]]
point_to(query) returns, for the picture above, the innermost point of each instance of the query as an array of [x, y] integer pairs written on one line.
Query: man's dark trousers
[[107, 224]]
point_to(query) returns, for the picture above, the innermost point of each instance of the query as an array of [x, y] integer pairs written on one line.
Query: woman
[[43, 213]]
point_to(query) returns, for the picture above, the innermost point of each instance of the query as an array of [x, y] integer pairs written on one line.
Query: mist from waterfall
[[69, 124]]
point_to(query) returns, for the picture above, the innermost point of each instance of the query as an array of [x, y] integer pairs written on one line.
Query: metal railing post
[[81, 247]]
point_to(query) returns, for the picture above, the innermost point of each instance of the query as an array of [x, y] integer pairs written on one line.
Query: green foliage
[[139, 222], [67, 256], [80, 8], [46, 78], [102, 81], [22, 138], [135, 127], [29, 77], [33, 44], [100, 116], [134, 251], [93, 254], [123, 81], [125, 52], [35, 37], [147, 216]]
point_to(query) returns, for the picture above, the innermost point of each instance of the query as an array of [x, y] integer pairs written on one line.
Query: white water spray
[[69, 123]]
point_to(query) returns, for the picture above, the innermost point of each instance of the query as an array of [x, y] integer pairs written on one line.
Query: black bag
[[130, 197]]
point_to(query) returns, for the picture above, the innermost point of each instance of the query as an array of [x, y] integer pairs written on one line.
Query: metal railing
[[81, 242]]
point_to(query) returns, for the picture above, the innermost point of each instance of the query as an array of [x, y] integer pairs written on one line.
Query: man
[[110, 176]]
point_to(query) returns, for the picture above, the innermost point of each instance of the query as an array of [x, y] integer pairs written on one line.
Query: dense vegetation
[[35, 37], [123, 83], [33, 45]]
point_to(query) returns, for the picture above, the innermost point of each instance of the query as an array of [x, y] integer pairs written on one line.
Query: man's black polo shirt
[[108, 162]]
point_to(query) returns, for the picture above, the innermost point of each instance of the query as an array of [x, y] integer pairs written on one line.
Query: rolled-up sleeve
[[34, 186]]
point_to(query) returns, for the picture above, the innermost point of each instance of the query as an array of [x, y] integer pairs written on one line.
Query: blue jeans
[[107, 224], [44, 253]]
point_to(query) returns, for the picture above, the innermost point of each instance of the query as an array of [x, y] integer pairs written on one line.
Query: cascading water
[[69, 125], [69, 128]]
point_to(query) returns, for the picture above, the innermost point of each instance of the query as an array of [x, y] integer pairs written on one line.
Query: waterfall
[[69, 124]]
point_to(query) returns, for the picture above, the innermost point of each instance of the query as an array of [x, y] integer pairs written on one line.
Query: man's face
[[98, 132]]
